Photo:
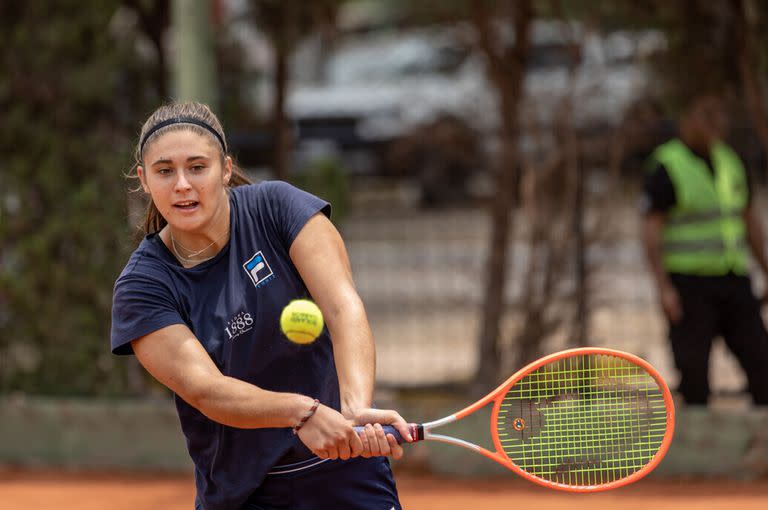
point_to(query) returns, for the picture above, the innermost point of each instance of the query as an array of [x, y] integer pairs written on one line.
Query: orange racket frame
[[424, 431]]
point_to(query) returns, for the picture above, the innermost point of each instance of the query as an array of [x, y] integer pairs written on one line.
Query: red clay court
[[29, 490]]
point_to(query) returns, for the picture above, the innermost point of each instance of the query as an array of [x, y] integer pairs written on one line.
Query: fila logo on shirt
[[258, 270]]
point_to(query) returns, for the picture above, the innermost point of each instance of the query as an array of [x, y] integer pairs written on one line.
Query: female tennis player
[[268, 423]]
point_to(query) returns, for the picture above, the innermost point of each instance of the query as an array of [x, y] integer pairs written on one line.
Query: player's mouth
[[186, 205]]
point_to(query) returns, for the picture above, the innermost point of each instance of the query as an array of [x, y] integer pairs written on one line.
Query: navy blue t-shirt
[[232, 304]]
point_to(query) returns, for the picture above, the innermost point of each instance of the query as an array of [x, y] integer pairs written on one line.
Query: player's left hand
[[375, 442]]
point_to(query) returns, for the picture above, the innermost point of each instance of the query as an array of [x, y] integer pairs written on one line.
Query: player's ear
[[142, 178], [227, 170]]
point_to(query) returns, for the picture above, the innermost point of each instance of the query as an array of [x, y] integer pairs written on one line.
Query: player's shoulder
[[263, 187], [145, 263], [263, 190], [268, 194]]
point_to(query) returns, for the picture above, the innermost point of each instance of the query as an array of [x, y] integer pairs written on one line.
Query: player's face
[[186, 177]]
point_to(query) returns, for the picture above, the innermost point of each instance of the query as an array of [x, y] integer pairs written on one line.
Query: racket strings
[[583, 420]]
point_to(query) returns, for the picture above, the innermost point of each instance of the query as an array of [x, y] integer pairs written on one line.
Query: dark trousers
[[718, 306]]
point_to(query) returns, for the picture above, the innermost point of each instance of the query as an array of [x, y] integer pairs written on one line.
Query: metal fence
[[421, 274]]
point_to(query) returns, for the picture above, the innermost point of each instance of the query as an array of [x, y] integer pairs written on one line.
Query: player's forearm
[[354, 353], [236, 403]]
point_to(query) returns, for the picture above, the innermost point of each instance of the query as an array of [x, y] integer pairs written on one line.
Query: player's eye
[[164, 171]]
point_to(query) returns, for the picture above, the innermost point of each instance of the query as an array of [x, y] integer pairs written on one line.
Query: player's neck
[[191, 248]]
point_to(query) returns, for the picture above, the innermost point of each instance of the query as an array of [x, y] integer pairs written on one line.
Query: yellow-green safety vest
[[705, 231]]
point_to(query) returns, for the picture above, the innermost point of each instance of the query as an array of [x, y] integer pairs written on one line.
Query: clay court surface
[[20, 490]]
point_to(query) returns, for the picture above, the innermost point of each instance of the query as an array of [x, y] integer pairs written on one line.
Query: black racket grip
[[416, 430]]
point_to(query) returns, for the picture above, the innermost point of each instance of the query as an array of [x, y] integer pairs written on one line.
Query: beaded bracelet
[[306, 417]]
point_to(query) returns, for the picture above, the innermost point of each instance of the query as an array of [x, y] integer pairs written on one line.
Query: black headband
[[181, 120]]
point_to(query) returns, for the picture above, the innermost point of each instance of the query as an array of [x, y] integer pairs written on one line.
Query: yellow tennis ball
[[301, 321]]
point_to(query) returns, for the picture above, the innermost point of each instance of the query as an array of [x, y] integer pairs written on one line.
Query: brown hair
[[154, 221]]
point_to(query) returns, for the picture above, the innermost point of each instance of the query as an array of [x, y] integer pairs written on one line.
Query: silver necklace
[[190, 259]]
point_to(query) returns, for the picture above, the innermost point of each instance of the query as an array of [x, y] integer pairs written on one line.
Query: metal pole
[[194, 55]]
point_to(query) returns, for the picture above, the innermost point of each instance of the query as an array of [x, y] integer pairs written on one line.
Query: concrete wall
[[134, 435], [91, 434]]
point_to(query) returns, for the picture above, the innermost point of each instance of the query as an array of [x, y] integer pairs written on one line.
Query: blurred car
[[380, 91]]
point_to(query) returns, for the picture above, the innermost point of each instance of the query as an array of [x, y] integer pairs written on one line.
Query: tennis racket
[[580, 420]]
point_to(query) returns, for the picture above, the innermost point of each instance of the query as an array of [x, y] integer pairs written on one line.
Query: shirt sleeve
[[140, 305], [658, 191], [291, 208]]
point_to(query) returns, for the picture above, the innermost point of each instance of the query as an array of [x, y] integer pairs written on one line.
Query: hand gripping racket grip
[[416, 430]]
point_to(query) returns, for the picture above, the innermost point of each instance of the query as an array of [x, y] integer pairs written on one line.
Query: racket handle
[[416, 430]]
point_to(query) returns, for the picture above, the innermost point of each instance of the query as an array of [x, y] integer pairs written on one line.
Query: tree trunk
[[281, 128], [506, 69], [496, 276], [745, 40], [579, 338], [154, 20]]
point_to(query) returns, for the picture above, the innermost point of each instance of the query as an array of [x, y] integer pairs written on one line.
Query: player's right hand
[[375, 441], [670, 303], [330, 436]]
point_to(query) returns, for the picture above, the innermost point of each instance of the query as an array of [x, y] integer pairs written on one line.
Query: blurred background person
[[699, 228]]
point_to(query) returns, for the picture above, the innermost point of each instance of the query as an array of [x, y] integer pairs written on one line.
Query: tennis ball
[[301, 321]]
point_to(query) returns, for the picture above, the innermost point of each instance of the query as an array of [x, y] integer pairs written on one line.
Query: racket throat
[[417, 431]]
